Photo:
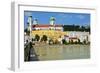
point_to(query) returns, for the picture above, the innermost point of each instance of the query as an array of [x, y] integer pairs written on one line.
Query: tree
[[44, 38], [51, 42], [79, 41], [37, 37], [84, 42]]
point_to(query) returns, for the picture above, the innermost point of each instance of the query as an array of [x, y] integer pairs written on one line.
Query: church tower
[[52, 23], [35, 21], [52, 20], [29, 22]]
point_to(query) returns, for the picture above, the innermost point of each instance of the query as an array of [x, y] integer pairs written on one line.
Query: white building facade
[[78, 35]]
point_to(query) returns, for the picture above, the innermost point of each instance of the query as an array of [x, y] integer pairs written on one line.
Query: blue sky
[[61, 17]]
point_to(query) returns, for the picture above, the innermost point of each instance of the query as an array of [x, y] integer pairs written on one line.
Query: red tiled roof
[[46, 25]]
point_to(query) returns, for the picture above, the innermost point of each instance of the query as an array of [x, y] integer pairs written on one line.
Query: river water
[[62, 52]]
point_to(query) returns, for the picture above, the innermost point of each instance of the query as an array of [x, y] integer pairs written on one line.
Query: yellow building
[[53, 34], [52, 30]]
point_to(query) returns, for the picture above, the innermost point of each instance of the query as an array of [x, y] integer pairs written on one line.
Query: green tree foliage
[[37, 37], [44, 38], [76, 28]]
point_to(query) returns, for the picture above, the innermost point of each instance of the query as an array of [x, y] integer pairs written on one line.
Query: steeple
[[52, 20]]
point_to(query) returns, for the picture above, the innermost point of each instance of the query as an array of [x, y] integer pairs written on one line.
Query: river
[[62, 52]]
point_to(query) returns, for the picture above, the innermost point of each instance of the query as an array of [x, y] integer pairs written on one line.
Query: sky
[[61, 18]]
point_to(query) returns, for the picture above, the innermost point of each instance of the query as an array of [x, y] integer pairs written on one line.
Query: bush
[[51, 42], [37, 37], [64, 42], [84, 42], [44, 38], [75, 42], [71, 42]]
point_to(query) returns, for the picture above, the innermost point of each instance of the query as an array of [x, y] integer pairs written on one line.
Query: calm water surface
[[62, 52]]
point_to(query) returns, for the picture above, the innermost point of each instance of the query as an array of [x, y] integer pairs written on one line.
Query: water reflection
[[60, 52]]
